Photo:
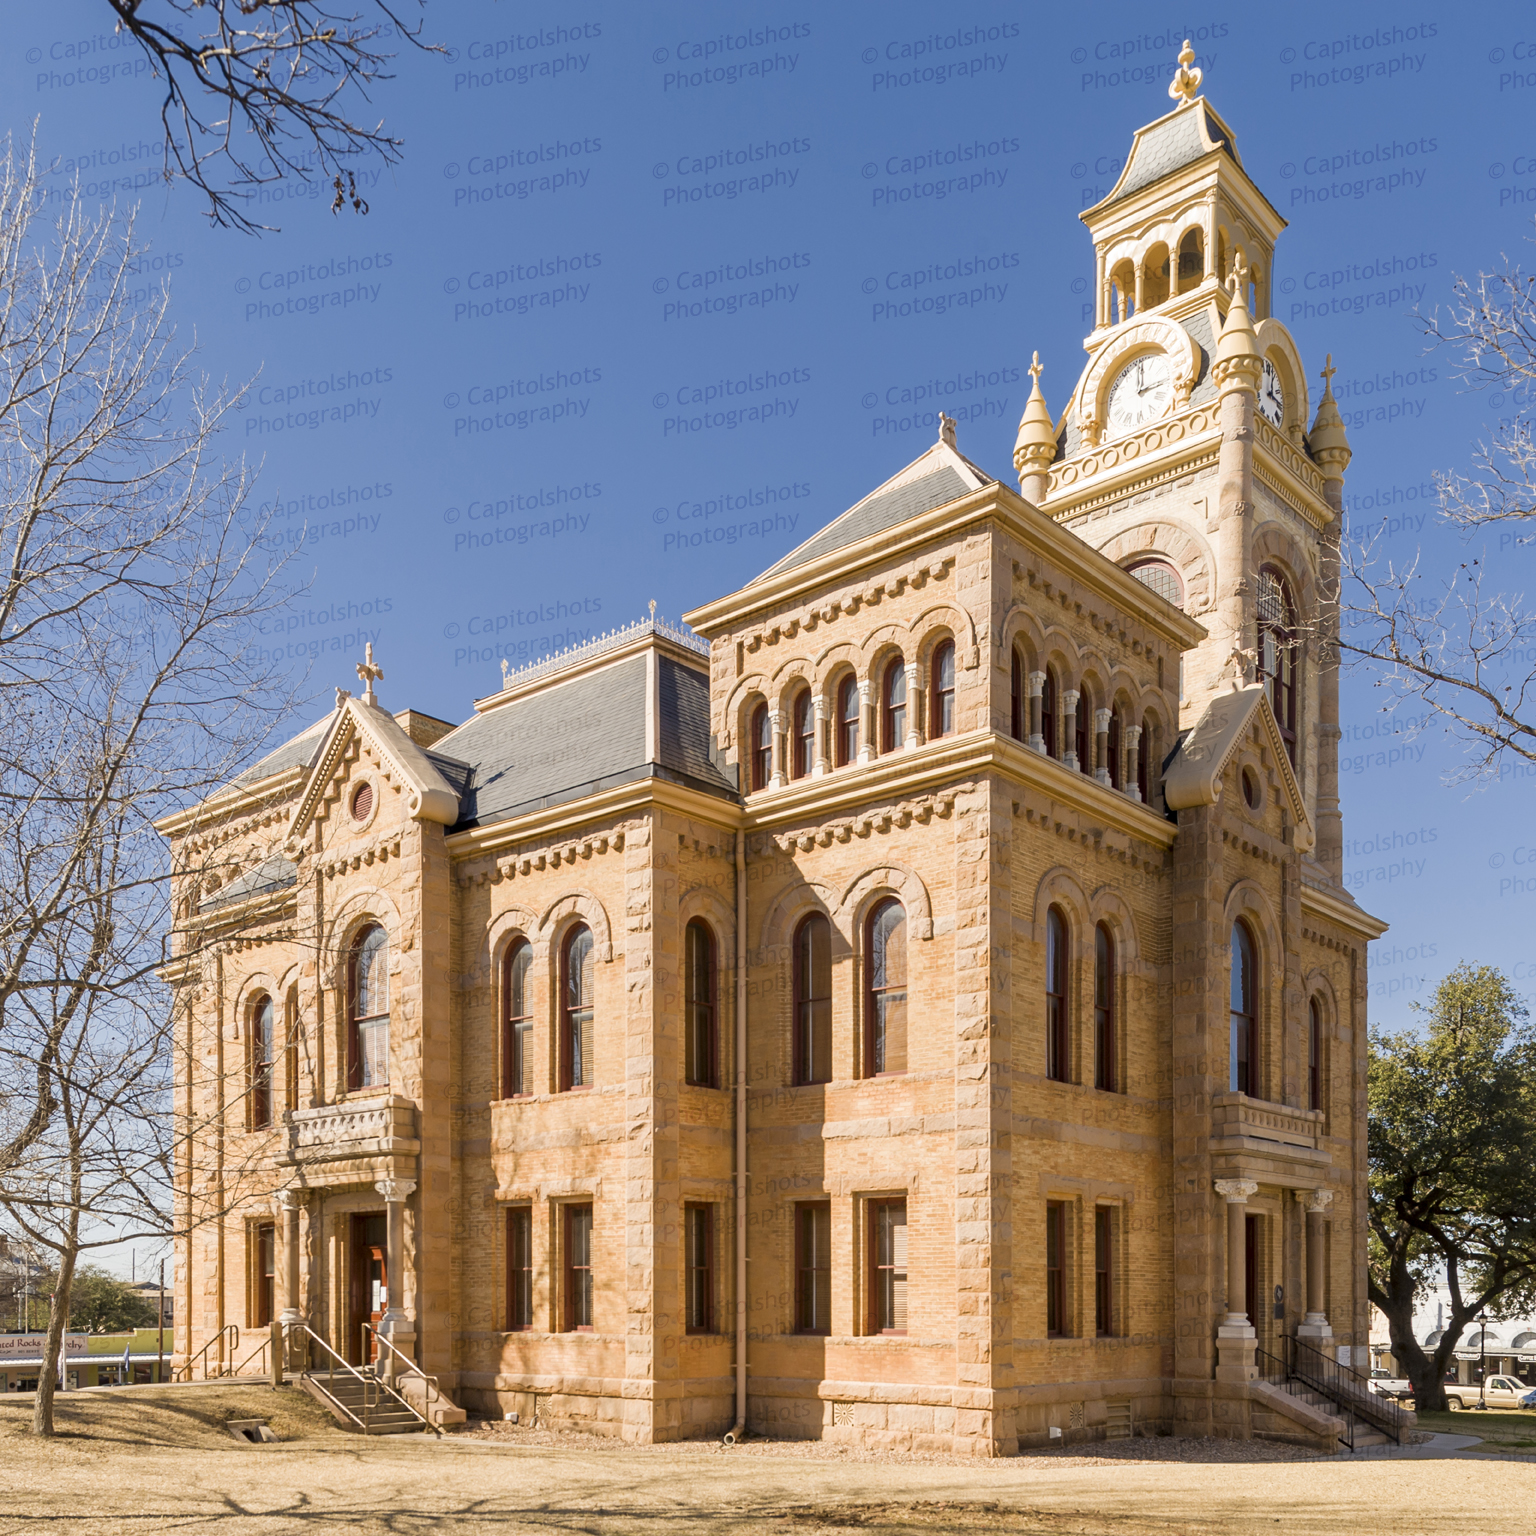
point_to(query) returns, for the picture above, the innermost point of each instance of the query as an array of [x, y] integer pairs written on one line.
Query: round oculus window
[[1250, 789], [362, 802]]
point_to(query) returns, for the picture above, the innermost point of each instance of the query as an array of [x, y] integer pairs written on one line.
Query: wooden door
[[370, 1285]]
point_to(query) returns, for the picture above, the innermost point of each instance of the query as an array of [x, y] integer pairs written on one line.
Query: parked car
[[1385, 1384], [1496, 1392]]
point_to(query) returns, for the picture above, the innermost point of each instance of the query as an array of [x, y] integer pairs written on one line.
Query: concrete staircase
[[363, 1403], [1362, 1433]]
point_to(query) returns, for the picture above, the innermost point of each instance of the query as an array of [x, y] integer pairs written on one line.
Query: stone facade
[[1097, 1226]]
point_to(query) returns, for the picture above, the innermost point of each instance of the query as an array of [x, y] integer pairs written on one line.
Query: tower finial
[[1328, 373], [1237, 279], [1186, 81], [946, 429], [368, 672], [653, 610], [1036, 368]]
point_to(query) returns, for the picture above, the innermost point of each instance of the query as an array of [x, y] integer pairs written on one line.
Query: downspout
[[739, 1428]]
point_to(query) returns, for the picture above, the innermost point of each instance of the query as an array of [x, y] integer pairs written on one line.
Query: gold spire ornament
[[368, 672], [1186, 80]]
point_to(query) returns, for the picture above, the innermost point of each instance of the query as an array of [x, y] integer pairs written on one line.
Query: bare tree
[[256, 90], [1447, 639], [131, 576]]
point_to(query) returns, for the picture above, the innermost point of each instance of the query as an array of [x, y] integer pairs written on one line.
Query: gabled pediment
[[1194, 776], [428, 795]]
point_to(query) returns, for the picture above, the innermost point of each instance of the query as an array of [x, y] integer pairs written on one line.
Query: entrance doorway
[[370, 1284]]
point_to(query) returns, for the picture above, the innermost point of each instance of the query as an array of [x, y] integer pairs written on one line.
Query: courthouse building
[[916, 1003]]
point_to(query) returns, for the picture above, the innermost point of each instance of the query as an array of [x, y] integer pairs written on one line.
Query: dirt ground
[[148, 1459]]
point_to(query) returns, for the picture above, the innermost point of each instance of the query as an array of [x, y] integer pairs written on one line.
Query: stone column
[[1133, 761], [1101, 745], [1104, 313], [821, 764], [776, 773], [287, 1204], [1236, 1339], [1315, 1325], [1069, 698], [917, 697], [395, 1324], [1036, 726], [869, 722]]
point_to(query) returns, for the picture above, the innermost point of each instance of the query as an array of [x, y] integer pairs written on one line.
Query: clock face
[[1141, 394], [1271, 396]]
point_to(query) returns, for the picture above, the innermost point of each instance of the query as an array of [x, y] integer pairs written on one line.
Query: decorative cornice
[[524, 862], [380, 852], [921, 810]]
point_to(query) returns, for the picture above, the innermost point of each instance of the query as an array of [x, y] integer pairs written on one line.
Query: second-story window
[[700, 1047], [813, 1000], [1083, 737], [368, 997], [1242, 1011], [1056, 959], [1048, 714], [291, 1029], [893, 707], [762, 748], [577, 966], [805, 736], [885, 1045], [261, 1063], [847, 721], [1112, 746], [1314, 1055], [941, 711], [1018, 699], [1103, 1009], [517, 1028]]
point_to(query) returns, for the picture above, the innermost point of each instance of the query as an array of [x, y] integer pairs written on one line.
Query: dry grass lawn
[[158, 1459]]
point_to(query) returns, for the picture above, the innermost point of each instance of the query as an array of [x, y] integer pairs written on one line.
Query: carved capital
[[1315, 1199], [1036, 684], [289, 1199], [1236, 1191], [396, 1189]]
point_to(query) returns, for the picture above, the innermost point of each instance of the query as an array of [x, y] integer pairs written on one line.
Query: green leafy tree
[[1453, 1165], [101, 1303]]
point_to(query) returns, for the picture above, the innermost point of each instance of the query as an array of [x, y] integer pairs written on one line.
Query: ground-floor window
[[699, 1289], [888, 1250], [1055, 1268], [263, 1269], [1103, 1273], [519, 1267], [813, 1267], [578, 1268]]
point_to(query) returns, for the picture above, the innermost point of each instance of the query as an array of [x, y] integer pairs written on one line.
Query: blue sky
[[656, 291]]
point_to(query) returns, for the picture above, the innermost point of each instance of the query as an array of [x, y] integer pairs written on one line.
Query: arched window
[[291, 1029], [261, 1063], [813, 1000], [1083, 745], [701, 1048], [1191, 261], [1113, 748], [804, 756], [1243, 1078], [1154, 276], [847, 721], [1277, 652], [762, 748], [1018, 699], [1048, 714], [368, 1013], [1103, 1009], [885, 1030], [941, 714], [893, 707], [1057, 955], [1161, 578], [517, 1021], [1144, 750], [1314, 1055], [577, 964]]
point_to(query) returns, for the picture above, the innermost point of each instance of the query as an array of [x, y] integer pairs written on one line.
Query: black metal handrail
[[228, 1337], [1279, 1373], [1345, 1387]]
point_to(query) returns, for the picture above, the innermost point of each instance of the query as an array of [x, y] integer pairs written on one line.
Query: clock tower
[[1184, 451]]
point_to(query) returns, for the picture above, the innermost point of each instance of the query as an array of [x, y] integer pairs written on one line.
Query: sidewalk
[[1438, 1447]]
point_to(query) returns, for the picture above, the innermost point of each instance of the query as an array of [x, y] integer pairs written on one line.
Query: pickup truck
[[1497, 1392], [1385, 1384]]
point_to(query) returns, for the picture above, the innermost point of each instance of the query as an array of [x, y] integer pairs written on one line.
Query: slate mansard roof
[[1168, 145]]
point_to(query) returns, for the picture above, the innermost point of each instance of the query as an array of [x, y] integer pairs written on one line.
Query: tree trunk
[[58, 1322]]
